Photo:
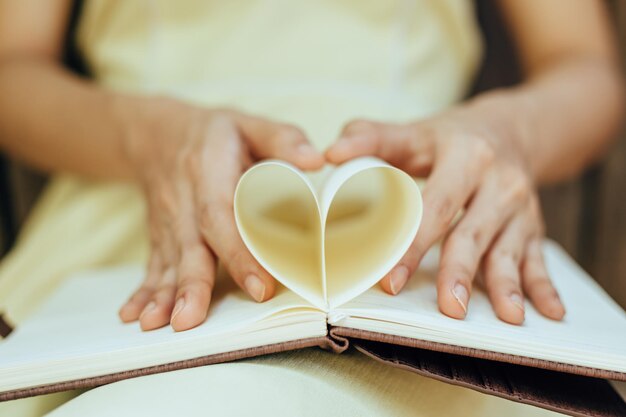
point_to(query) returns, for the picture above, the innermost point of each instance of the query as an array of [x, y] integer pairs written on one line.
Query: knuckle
[[220, 112], [211, 214], [535, 273], [238, 260], [221, 117], [516, 187], [288, 133], [358, 125], [146, 287], [165, 288], [499, 256], [281, 140], [482, 155], [197, 284], [474, 236], [542, 285], [483, 152], [499, 274], [143, 292], [502, 282], [443, 208], [457, 270], [426, 131], [501, 253], [416, 251]]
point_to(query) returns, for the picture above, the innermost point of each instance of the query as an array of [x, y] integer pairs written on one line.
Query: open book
[[328, 238]]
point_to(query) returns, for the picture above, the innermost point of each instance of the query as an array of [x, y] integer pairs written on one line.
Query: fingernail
[[461, 295], [151, 305], [557, 304], [398, 278], [180, 304], [255, 287], [517, 301]]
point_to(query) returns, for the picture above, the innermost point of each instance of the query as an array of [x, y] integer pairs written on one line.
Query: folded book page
[[328, 240]]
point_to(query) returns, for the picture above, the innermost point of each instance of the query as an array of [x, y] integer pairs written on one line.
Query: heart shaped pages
[[331, 235]]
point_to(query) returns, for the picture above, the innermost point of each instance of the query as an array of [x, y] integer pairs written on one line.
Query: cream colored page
[[277, 215], [328, 235], [78, 334], [371, 213], [592, 334]]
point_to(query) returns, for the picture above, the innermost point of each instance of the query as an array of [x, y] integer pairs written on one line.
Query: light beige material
[[316, 64], [36, 406]]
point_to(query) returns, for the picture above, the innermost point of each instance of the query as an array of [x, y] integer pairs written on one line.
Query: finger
[[157, 312], [537, 284], [401, 145], [163, 208], [137, 302], [221, 234], [454, 180], [489, 210], [196, 278], [196, 266], [214, 195], [502, 268], [267, 139], [358, 138]]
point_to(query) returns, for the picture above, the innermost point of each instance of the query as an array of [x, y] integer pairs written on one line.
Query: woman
[[186, 95]]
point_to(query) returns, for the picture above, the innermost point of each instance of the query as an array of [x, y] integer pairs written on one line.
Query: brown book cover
[[568, 389]]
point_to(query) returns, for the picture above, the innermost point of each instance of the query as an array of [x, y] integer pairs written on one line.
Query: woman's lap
[[309, 382]]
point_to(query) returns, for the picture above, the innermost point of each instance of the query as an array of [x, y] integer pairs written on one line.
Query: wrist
[[141, 121]]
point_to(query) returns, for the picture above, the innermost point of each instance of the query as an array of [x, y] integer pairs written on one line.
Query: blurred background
[[587, 216]]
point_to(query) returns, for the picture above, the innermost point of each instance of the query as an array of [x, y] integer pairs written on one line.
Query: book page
[[592, 334], [278, 219], [78, 334], [371, 213], [327, 235]]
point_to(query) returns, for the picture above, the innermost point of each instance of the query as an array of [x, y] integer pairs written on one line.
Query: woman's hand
[[483, 169], [188, 161]]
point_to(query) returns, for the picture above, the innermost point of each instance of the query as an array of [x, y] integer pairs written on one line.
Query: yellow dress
[[316, 64]]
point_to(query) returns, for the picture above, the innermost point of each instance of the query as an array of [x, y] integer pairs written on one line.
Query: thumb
[[290, 143], [362, 137], [352, 146], [268, 139]]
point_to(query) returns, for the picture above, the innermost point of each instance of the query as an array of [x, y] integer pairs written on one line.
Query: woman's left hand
[[484, 169]]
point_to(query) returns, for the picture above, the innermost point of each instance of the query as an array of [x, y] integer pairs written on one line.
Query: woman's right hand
[[188, 161]]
